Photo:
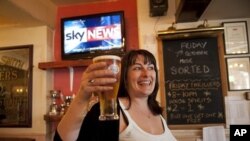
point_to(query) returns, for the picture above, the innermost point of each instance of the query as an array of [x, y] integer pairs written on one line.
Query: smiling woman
[[139, 113]]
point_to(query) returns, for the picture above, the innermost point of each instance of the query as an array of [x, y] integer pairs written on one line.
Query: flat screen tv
[[92, 35]]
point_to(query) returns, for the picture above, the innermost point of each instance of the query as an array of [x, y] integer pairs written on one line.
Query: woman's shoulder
[[124, 102]]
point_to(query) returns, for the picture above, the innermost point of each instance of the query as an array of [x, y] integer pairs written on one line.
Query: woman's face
[[141, 78]]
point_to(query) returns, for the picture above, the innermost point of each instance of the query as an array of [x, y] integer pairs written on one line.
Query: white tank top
[[134, 133]]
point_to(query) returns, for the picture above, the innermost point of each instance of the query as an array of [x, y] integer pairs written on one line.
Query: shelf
[[52, 118], [64, 64]]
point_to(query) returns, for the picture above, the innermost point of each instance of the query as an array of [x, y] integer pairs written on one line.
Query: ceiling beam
[[190, 10], [41, 10]]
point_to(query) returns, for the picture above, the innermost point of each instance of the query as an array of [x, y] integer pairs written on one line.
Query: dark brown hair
[[128, 60]]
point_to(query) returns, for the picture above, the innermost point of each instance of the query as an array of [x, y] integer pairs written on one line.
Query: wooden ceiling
[[190, 10], [15, 13]]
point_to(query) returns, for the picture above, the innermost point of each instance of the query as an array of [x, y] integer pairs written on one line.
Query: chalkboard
[[193, 86]]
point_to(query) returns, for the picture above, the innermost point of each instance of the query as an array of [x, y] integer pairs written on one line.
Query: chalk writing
[[193, 45], [195, 84], [192, 81], [190, 69]]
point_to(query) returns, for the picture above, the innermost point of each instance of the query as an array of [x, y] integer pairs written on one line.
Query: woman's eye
[[151, 67], [137, 68]]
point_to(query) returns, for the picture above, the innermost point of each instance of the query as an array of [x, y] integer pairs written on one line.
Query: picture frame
[[238, 71], [236, 38], [16, 64]]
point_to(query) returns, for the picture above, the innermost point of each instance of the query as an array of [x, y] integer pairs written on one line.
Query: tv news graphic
[[78, 36], [239, 132], [91, 35]]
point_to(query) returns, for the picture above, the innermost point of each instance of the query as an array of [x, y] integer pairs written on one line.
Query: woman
[[140, 113]]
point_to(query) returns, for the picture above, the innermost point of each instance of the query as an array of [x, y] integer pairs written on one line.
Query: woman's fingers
[[104, 73], [97, 78], [97, 70], [102, 81], [96, 66]]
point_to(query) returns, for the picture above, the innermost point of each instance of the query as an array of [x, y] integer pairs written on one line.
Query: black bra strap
[[124, 117]]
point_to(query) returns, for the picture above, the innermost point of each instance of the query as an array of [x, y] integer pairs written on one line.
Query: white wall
[[42, 40]]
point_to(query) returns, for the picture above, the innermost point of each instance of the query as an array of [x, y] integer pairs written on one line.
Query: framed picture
[[238, 73], [16, 86], [236, 37]]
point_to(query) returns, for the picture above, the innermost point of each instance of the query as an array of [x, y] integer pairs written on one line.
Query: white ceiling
[[19, 13], [227, 9]]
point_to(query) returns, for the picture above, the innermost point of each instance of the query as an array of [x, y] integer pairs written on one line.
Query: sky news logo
[[239, 132], [93, 34], [78, 39]]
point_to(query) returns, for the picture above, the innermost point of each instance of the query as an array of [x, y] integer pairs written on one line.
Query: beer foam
[[103, 57]]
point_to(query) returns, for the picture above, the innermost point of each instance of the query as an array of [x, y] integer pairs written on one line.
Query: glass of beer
[[108, 99]]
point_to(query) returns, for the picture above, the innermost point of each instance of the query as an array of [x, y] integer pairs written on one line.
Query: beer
[[108, 99]]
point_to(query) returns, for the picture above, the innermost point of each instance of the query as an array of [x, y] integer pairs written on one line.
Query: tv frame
[[91, 54]]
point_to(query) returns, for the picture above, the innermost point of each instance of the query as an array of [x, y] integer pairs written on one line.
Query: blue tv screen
[[92, 35]]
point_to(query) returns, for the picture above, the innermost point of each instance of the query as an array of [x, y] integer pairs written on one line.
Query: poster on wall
[[236, 37], [238, 70], [16, 86]]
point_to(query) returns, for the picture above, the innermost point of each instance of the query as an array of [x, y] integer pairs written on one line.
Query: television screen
[[92, 35]]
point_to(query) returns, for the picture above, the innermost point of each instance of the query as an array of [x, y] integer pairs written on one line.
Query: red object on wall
[[61, 76]]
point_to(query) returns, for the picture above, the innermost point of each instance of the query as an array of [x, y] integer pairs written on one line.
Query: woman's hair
[[128, 60]]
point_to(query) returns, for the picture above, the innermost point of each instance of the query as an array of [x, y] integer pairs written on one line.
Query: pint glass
[[108, 99]]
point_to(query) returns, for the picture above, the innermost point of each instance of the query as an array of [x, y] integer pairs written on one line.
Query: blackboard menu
[[192, 81]]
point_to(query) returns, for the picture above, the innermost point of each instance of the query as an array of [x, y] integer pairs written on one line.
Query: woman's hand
[[96, 78]]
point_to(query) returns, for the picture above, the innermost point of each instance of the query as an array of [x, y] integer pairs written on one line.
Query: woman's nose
[[145, 72]]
